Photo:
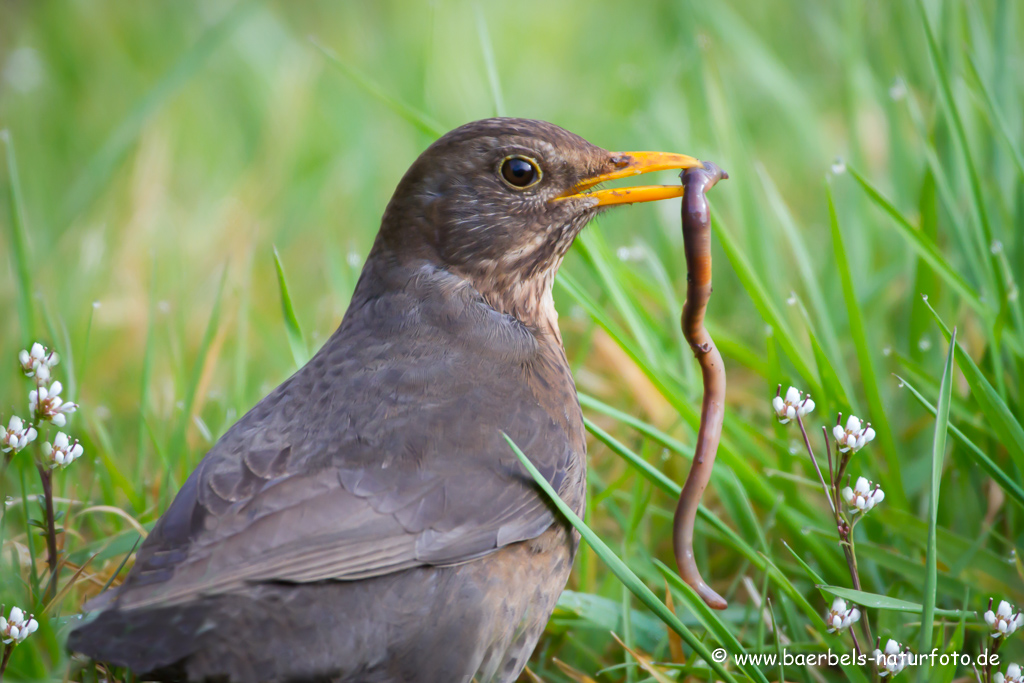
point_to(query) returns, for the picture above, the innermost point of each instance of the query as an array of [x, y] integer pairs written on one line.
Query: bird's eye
[[520, 172]]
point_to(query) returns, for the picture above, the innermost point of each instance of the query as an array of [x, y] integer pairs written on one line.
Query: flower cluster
[[1003, 621], [63, 451], [862, 497], [1013, 675], [795, 404], [839, 618], [38, 361], [856, 435], [46, 404], [892, 661], [17, 435], [17, 627]]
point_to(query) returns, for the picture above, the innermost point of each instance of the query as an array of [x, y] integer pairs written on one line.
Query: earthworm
[[697, 244]]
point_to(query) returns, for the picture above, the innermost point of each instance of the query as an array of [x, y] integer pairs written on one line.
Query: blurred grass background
[[165, 149]]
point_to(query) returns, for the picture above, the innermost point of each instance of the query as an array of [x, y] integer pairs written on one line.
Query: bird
[[367, 521]]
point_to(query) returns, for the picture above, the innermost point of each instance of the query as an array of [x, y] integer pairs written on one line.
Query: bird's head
[[499, 202]]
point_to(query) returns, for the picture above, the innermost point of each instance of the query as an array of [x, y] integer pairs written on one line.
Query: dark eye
[[519, 172]]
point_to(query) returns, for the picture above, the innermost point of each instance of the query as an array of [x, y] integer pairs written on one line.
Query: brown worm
[[697, 243]]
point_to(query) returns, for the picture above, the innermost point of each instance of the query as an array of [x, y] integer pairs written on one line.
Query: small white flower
[[1003, 621], [17, 627], [794, 404], [892, 661], [855, 436], [63, 451], [17, 435], [861, 497], [838, 166], [1013, 675], [38, 361], [634, 253], [46, 404], [839, 618], [898, 89]]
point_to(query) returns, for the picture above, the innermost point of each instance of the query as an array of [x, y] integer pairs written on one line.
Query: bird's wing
[[303, 528], [388, 465], [335, 523]]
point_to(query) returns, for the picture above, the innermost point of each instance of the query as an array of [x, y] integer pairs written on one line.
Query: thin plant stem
[[6, 658], [814, 461], [844, 530], [856, 643], [831, 473], [993, 649], [842, 461], [46, 476]]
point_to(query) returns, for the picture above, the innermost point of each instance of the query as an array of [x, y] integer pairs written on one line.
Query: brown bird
[[367, 521]]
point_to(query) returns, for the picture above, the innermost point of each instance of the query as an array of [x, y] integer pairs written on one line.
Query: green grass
[[172, 164]]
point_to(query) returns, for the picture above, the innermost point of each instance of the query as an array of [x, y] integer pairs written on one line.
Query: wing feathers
[[384, 452]]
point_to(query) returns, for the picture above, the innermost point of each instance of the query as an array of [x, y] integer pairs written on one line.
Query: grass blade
[[592, 246], [879, 416], [179, 441], [709, 620], [998, 120], [296, 342], [492, 67], [124, 561], [998, 414], [144, 384], [19, 240], [951, 549], [649, 471], [938, 455], [884, 602], [968, 247], [619, 568], [102, 165], [804, 264], [922, 245], [1005, 481], [740, 462], [418, 119], [778, 641], [665, 484], [811, 574], [834, 395], [642, 661], [960, 137], [764, 304], [639, 425]]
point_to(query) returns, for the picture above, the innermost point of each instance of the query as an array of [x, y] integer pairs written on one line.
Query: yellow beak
[[631, 164]]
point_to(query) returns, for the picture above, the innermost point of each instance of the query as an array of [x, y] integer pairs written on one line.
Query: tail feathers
[[147, 641]]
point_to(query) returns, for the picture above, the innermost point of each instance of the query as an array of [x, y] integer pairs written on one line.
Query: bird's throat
[[529, 300]]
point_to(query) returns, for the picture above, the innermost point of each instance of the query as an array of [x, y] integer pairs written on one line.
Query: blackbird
[[367, 521]]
